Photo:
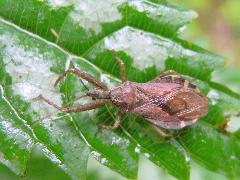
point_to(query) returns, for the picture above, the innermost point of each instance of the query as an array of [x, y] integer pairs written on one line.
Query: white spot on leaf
[[143, 49], [90, 14], [147, 155], [103, 160], [50, 155], [60, 3], [233, 157], [22, 139], [119, 141], [30, 73], [98, 157], [108, 80], [233, 124], [137, 149], [157, 10], [187, 158], [214, 96], [115, 140]]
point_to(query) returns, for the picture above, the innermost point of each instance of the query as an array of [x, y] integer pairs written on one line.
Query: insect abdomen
[[171, 103]]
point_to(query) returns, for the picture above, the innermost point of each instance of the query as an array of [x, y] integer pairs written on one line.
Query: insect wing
[[170, 124]]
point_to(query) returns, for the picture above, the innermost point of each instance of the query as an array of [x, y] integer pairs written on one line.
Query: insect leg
[[162, 133], [185, 82], [83, 75], [116, 122], [80, 108], [74, 100], [122, 69]]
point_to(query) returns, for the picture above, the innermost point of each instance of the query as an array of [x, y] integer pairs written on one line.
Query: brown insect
[[166, 102]]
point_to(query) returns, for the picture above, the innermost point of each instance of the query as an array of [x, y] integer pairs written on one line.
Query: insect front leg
[[85, 107], [83, 75], [116, 122]]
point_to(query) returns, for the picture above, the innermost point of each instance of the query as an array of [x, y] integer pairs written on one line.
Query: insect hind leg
[[116, 122], [162, 133]]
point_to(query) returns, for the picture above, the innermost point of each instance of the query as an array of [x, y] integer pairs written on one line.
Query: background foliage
[[40, 39]]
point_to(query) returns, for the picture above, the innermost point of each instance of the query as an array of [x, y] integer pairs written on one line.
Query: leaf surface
[[41, 39]]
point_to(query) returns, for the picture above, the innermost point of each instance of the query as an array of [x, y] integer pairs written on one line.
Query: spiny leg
[[116, 122], [80, 108], [83, 75], [122, 69]]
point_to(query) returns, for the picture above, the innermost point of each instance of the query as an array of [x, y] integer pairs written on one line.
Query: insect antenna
[[84, 85], [74, 100], [80, 97], [46, 118]]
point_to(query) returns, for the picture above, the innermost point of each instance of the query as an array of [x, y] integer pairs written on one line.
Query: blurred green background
[[217, 29]]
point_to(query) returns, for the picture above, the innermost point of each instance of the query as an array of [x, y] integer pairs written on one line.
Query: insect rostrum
[[167, 102]]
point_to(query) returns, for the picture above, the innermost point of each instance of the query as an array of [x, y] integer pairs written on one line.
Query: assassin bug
[[167, 102]]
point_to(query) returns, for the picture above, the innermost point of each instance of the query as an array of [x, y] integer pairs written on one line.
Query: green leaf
[[63, 140], [80, 24], [25, 73], [16, 140], [87, 32], [163, 152], [237, 134], [217, 152], [144, 33], [111, 149], [228, 99], [145, 54], [215, 115]]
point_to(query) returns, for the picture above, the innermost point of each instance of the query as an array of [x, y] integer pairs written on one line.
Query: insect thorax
[[124, 97]]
